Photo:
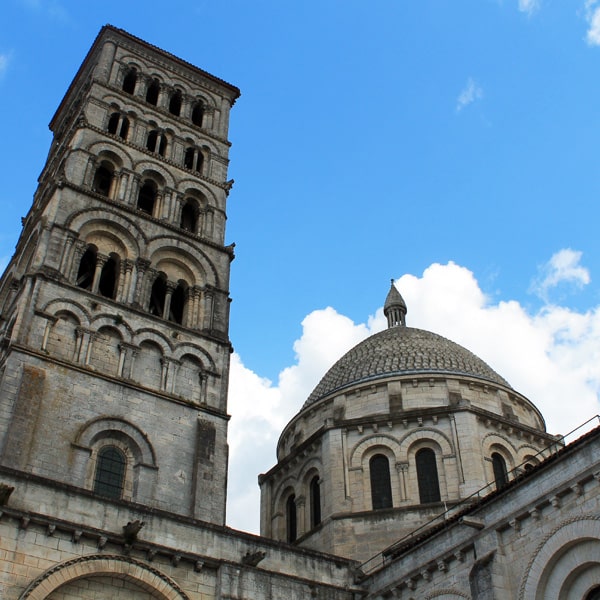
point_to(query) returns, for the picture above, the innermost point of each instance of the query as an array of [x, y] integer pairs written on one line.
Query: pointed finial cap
[[395, 308]]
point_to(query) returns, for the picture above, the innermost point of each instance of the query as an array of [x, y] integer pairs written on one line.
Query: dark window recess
[[427, 476], [113, 123], [108, 278], [500, 472], [594, 594], [110, 472], [381, 487], [198, 114], [152, 92], [129, 81], [315, 501], [177, 306], [157, 297], [189, 217], [102, 180], [147, 197], [175, 104], [291, 519], [87, 267], [124, 128]]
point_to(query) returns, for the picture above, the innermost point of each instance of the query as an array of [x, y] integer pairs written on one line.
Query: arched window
[[189, 216], [198, 114], [87, 268], [500, 471], [193, 159], [152, 92], [315, 501], [147, 197], [118, 124], [110, 472], [427, 476], [175, 103], [103, 179], [381, 487], [157, 142], [157, 297], [291, 519], [129, 81], [178, 302], [108, 278]]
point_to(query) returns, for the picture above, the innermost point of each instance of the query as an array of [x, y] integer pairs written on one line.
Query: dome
[[402, 351]]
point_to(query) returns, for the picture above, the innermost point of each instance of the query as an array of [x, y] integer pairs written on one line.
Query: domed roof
[[402, 351]]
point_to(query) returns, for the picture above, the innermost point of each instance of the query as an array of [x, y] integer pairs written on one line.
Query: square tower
[[114, 310]]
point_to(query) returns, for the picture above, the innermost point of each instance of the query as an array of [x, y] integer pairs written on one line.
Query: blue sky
[[451, 145]]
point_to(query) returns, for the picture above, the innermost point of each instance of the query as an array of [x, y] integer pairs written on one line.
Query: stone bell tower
[[114, 351]]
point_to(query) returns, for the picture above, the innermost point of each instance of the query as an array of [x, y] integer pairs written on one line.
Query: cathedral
[[412, 471]]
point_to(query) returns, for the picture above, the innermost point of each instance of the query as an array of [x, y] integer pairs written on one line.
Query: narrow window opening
[[198, 114], [427, 476], [188, 160], [87, 267], [151, 141], [113, 123], [162, 146], [152, 92], [199, 162], [129, 81], [157, 297], [124, 128], [381, 487], [108, 278], [177, 306], [315, 501], [189, 216], [291, 520], [175, 104], [110, 472], [102, 180], [500, 471], [147, 198]]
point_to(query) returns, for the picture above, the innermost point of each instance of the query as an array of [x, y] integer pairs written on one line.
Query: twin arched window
[[110, 472], [168, 303], [104, 282], [157, 142], [118, 124], [103, 178], [193, 159]]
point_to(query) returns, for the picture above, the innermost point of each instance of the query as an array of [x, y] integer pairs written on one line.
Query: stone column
[[101, 260], [171, 287], [143, 265]]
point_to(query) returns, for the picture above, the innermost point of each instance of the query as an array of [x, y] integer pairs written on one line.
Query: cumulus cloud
[[469, 94], [529, 6], [592, 16], [563, 269], [552, 356]]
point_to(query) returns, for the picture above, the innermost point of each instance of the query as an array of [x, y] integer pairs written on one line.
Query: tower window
[[291, 519], [157, 142], [87, 267], [152, 92], [157, 297], [193, 160], [500, 471], [198, 114], [110, 472], [381, 487], [315, 501], [129, 81], [147, 197], [118, 125], [177, 306], [102, 180], [175, 103], [427, 476], [108, 278], [189, 216]]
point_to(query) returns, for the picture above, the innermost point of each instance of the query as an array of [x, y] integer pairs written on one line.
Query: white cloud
[[562, 269], [469, 94], [592, 16], [552, 357], [529, 6]]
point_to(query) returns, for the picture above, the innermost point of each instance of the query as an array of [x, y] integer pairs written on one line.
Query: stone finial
[[395, 308]]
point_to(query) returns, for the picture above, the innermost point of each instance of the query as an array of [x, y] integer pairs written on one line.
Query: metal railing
[[396, 549]]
